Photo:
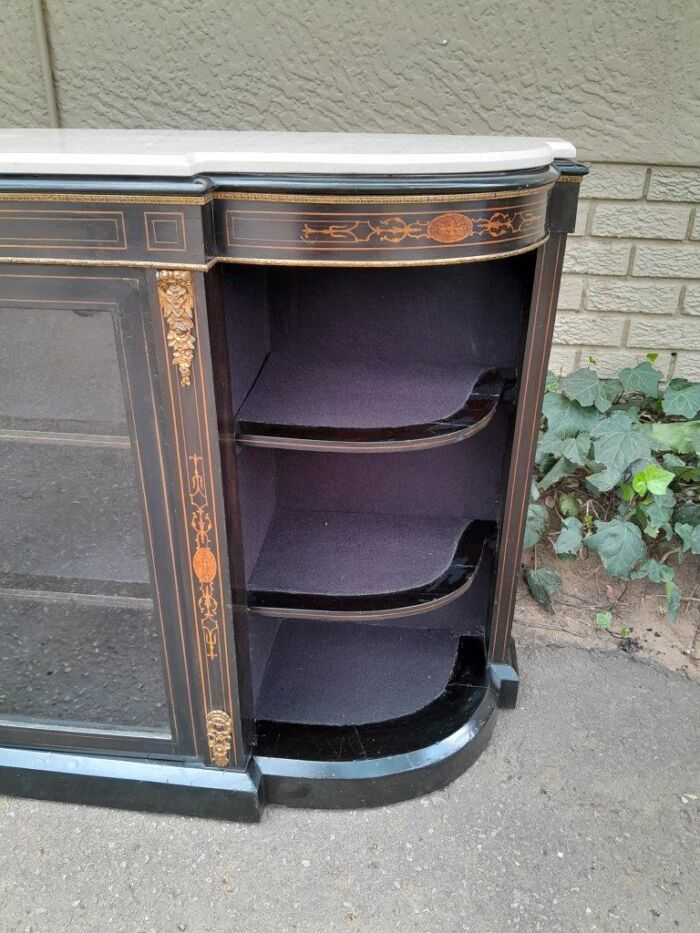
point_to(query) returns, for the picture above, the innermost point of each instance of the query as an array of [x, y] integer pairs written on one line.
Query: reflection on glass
[[78, 636]]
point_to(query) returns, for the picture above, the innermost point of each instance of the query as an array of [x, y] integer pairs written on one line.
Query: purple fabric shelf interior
[[349, 674], [348, 553], [347, 393]]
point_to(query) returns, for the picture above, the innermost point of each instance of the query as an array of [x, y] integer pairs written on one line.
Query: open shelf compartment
[[367, 360], [346, 536], [349, 692]]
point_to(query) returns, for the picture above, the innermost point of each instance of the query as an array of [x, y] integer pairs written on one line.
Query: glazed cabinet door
[[96, 647]]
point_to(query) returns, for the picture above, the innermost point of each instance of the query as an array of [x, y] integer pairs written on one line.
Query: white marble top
[[185, 153]]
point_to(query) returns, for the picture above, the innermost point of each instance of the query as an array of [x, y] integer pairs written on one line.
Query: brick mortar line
[[621, 279], [684, 167], [607, 239], [641, 199]]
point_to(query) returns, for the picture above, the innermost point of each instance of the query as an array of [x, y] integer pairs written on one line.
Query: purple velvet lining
[[256, 490], [319, 672], [390, 346], [344, 553], [326, 392], [337, 523]]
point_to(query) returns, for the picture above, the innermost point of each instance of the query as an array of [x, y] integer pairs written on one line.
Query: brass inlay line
[[125, 263], [448, 197], [244, 260], [266, 196], [176, 297], [347, 263], [106, 198]]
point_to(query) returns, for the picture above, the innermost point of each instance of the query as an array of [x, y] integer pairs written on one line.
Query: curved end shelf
[[473, 415], [449, 585], [364, 764]]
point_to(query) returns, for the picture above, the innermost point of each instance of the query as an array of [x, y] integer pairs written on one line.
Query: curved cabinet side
[[277, 228]]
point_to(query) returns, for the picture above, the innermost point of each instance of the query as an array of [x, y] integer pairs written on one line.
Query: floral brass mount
[[219, 736], [204, 561], [450, 227], [176, 298]]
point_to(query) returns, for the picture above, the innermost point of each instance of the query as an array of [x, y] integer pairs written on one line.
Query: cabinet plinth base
[[296, 764], [132, 784], [376, 782]]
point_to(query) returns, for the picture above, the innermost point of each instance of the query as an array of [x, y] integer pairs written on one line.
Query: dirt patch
[[636, 605]]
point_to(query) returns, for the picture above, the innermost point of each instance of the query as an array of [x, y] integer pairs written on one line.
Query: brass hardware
[[219, 736], [176, 298]]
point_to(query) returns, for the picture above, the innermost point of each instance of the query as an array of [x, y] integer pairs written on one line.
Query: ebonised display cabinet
[[268, 411]]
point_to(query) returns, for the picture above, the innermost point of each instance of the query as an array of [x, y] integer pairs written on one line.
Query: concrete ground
[[579, 816]]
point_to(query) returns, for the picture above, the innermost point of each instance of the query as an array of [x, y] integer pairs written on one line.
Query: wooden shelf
[[366, 407], [350, 565]]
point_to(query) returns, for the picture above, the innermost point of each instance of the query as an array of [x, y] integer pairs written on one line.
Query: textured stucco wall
[[615, 76], [22, 95], [619, 78]]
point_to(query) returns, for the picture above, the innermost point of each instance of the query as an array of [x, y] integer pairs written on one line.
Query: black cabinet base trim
[[128, 784], [376, 782], [505, 678]]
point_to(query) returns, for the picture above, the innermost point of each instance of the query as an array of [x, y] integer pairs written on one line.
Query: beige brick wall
[[631, 281]]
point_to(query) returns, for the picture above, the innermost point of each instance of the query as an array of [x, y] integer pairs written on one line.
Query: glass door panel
[[79, 639]]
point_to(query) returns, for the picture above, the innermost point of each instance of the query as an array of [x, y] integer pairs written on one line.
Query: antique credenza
[[268, 410]]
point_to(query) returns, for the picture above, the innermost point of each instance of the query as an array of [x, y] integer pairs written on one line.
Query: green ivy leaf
[[603, 619], [690, 537], [576, 449], [641, 380], [655, 514], [673, 601], [688, 513], [548, 445], [619, 545], [619, 441], [535, 525], [683, 438], [612, 389], [671, 462], [682, 398], [559, 470], [566, 418], [605, 480], [570, 539], [568, 505], [653, 570], [543, 583], [583, 386], [652, 479]]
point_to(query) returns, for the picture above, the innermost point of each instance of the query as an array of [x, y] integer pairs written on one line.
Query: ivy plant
[[617, 473]]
